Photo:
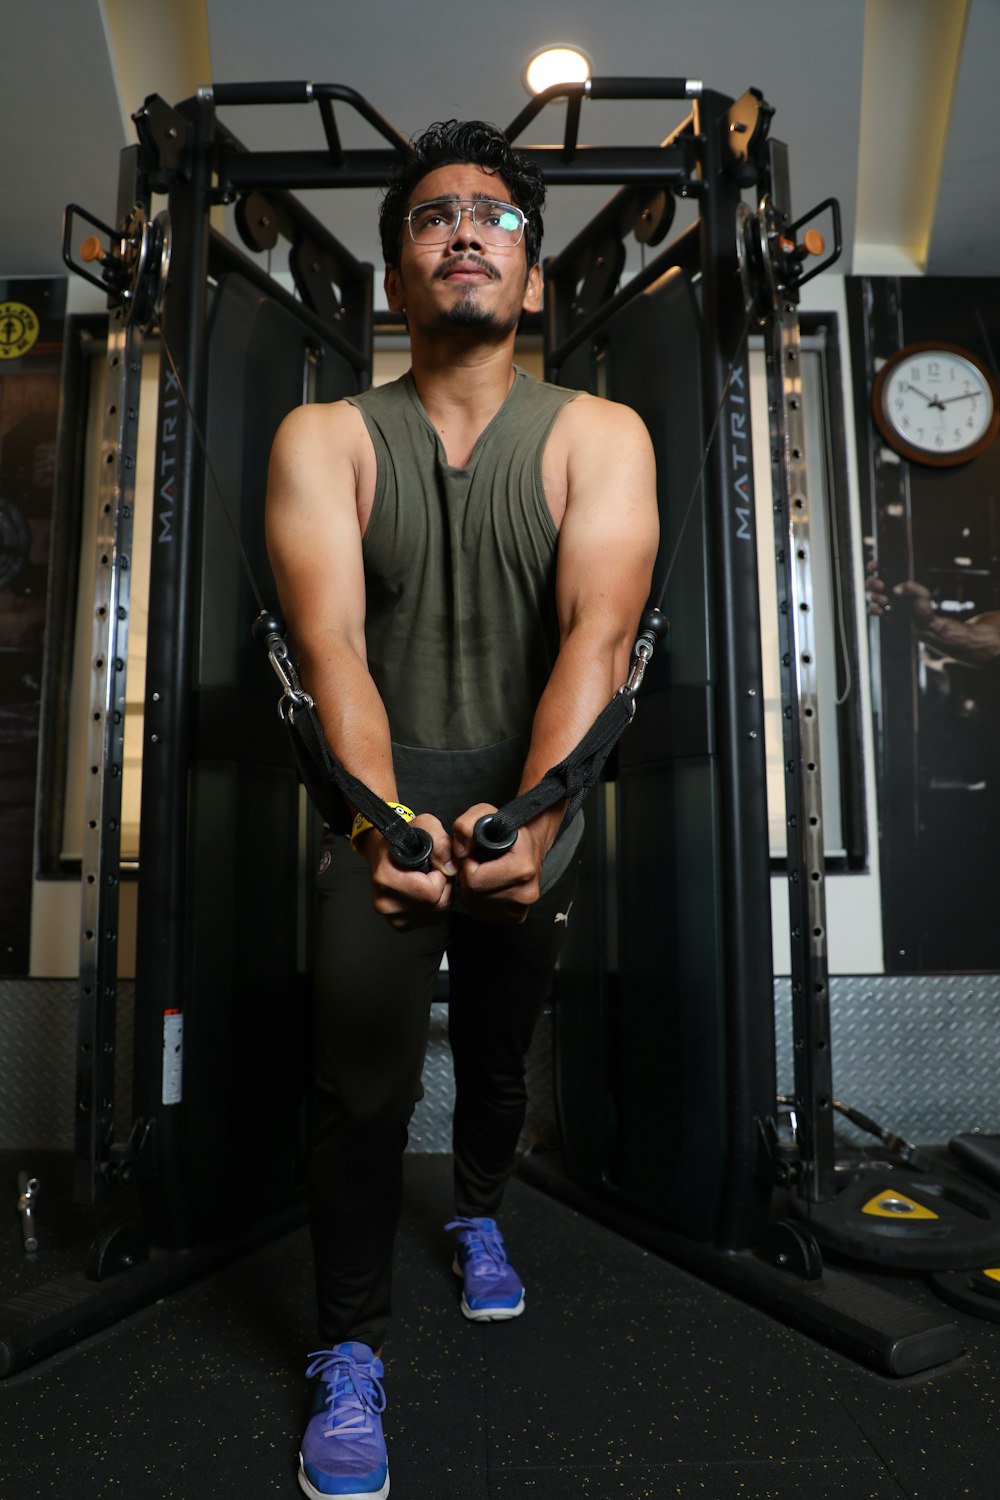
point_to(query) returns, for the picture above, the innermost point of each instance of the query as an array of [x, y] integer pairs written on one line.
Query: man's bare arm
[[974, 642], [607, 547], [321, 465]]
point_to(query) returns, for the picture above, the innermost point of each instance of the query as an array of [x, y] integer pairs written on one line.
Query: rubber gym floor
[[626, 1377]]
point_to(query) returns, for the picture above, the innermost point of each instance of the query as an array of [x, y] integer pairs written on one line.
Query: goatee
[[469, 313]]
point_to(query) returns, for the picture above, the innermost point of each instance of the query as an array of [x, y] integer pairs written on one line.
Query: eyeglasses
[[437, 222]]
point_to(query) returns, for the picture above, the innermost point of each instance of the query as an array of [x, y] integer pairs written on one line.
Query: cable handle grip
[[413, 854], [492, 837]]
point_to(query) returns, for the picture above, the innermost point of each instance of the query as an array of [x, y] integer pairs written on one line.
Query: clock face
[[936, 404]]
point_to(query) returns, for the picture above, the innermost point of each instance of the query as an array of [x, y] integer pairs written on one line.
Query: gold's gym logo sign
[[18, 329]]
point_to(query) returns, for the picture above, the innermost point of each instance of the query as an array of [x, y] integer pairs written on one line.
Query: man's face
[[463, 283]]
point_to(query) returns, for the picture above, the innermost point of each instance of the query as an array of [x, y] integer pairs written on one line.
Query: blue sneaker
[[343, 1450], [491, 1288]]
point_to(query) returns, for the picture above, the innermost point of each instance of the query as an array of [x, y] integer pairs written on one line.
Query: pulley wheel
[[654, 218]]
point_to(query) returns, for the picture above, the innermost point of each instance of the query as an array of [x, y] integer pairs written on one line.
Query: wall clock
[[936, 403]]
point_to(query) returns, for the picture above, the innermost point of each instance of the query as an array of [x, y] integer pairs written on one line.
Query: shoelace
[[353, 1391], [484, 1247]]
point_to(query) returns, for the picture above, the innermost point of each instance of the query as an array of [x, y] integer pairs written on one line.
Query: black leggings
[[374, 991]]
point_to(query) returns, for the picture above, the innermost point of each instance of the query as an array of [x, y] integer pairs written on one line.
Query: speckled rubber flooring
[[625, 1378]]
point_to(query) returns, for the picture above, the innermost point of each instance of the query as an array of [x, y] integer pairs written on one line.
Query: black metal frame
[[716, 153], [716, 174], [709, 251]]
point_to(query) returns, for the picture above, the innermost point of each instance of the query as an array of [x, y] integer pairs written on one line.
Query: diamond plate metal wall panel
[[38, 1047], [37, 1043], [430, 1128], [918, 1053]]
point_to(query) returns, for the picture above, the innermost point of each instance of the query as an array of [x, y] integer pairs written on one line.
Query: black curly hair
[[472, 141]]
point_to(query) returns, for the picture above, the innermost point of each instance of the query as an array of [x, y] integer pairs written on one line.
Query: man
[[462, 557]]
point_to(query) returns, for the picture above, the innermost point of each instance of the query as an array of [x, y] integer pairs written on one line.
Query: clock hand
[[931, 400], [965, 396]]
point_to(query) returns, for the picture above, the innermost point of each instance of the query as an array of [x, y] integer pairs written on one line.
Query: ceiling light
[[556, 65]]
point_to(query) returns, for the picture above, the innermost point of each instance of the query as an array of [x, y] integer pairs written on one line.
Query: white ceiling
[[914, 122]]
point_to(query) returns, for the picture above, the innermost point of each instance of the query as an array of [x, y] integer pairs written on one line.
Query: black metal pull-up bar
[[565, 164]]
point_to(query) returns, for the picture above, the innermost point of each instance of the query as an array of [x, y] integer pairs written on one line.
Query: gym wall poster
[[31, 336], [932, 492]]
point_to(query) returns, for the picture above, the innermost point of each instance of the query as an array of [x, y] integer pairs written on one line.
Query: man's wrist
[[546, 826]]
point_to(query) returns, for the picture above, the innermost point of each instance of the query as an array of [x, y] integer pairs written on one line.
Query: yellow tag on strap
[[361, 824]]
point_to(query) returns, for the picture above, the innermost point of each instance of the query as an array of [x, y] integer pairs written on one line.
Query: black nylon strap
[[333, 791], [572, 778]]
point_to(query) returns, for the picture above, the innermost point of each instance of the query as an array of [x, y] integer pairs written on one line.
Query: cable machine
[[218, 1081]]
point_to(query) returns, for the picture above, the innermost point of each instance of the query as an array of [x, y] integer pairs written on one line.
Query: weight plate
[[903, 1219], [975, 1292]]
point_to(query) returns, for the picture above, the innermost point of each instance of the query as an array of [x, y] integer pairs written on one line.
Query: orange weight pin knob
[[811, 243], [92, 249]]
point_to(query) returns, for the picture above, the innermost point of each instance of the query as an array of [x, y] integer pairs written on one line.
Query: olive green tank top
[[461, 623]]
